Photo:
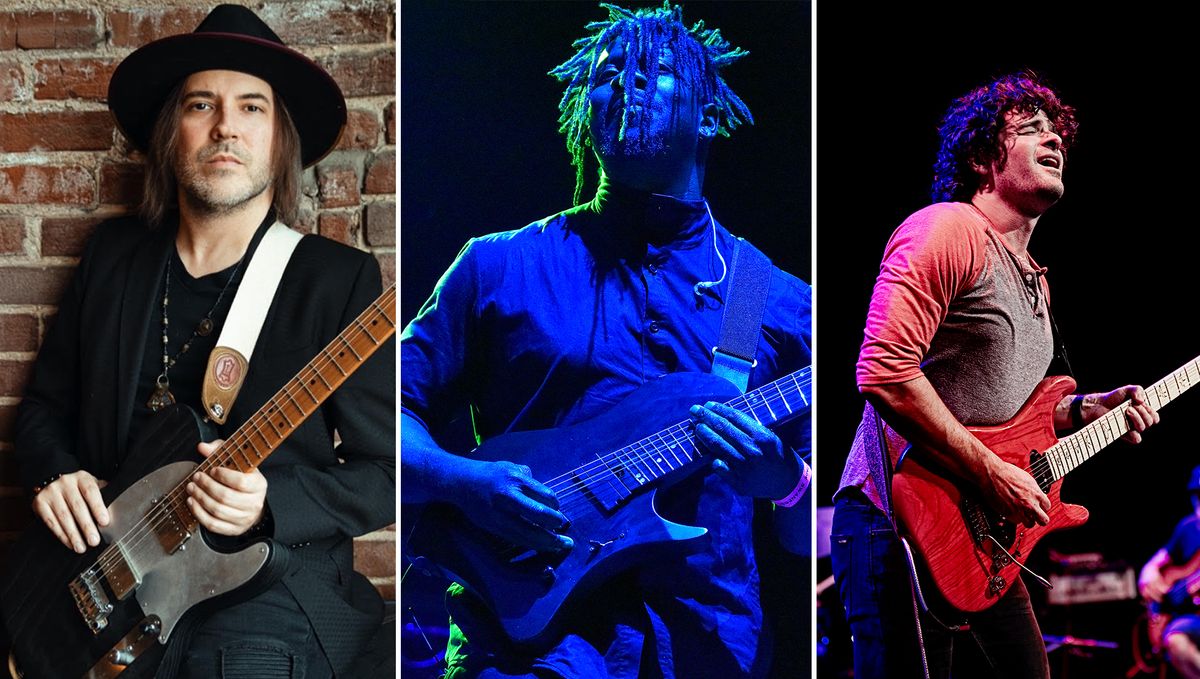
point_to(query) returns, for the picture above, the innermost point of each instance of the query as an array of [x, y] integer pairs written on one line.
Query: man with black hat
[[1174, 628], [227, 117]]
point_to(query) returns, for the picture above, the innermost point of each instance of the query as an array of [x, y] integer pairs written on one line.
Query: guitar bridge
[[91, 600]]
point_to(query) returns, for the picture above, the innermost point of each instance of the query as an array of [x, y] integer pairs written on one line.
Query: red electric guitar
[[973, 555]]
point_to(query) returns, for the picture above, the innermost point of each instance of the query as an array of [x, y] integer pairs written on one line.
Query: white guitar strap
[[229, 361]]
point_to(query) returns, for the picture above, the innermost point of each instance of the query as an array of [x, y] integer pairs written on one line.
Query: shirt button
[[653, 326]]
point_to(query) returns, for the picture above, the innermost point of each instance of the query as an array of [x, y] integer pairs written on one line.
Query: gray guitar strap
[[230, 359], [741, 324]]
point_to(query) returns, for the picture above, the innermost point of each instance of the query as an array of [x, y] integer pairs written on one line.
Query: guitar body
[[1182, 598], [529, 592], [946, 527], [50, 637]]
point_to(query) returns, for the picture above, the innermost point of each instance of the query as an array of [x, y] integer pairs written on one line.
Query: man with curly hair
[[554, 323], [959, 333]]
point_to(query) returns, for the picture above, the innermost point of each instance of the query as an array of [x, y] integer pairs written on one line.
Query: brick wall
[[64, 168]]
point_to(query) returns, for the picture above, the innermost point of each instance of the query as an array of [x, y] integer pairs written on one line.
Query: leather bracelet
[[1077, 411], [801, 486], [42, 486]]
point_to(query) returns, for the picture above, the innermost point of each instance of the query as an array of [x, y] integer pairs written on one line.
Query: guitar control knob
[[995, 584], [548, 574]]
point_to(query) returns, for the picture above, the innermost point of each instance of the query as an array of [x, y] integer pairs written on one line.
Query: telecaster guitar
[[96, 615], [605, 473], [973, 555]]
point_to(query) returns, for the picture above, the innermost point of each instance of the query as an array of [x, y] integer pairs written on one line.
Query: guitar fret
[[366, 330], [783, 398], [350, 347], [333, 360], [309, 392]]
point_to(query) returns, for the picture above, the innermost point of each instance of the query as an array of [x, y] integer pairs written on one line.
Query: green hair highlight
[[700, 54]]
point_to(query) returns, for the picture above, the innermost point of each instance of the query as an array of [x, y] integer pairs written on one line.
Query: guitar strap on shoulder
[[229, 360], [741, 324]]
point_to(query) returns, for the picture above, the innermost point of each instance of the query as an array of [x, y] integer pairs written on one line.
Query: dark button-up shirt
[[555, 323]]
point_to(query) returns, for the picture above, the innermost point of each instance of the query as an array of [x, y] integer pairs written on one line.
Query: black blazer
[[78, 406]]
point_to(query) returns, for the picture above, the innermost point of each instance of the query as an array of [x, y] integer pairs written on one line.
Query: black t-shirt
[[1185, 541], [190, 299]]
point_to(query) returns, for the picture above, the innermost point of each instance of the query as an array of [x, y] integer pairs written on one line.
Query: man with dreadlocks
[[959, 332], [554, 323]]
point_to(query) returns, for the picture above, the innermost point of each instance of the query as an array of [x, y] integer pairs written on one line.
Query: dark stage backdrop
[[480, 152], [480, 149], [1120, 246]]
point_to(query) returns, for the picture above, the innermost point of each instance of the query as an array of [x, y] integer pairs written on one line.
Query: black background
[[1120, 246]]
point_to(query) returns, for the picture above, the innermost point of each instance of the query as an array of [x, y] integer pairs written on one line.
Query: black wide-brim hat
[[231, 38]]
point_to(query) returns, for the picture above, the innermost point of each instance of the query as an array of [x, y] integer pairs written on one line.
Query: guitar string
[[800, 378], [649, 450], [645, 452], [1071, 451], [323, 360], [174, 497], [157, 517], [574, 498]]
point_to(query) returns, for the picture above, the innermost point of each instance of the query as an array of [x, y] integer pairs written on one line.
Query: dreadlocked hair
[[970, 131], [699, 56]]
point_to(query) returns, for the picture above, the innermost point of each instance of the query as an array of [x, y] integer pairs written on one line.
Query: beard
[[644, 139], [213, 192]]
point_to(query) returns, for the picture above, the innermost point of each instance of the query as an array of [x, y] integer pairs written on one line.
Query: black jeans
[[872, 576], [268, 637]]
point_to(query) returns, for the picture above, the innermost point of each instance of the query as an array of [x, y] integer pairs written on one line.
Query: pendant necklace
[[162, 397]]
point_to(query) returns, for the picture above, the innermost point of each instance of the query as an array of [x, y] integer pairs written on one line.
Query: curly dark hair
[[970, 131]]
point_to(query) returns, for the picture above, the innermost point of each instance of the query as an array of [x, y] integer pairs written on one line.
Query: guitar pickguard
[[171, 582]]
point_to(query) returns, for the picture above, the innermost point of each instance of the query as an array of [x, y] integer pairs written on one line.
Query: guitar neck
[[264, 431], [1072, 451], [657, 455]]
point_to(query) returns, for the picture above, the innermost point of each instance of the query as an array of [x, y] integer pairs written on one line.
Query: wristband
[[1077, 411], [801, 486], [42, 486]]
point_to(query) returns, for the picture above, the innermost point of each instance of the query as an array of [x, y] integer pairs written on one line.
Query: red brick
[[363, 75], [385, 586], [121, 184], [8, 31], [380, 226], [55, 184], [338, 185], [137, 27], [306, 222], [12, 235], [56, 131], [33, 284], [389, 115], [12, 80], [13, 376], [73, 78], [340, 226], [361, 131], [65, 236], [381, 173], [387, 264], [18, 332], [8, 417], [375, 558], [324, 23], [63, 28]]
